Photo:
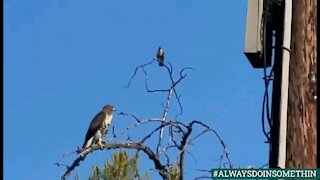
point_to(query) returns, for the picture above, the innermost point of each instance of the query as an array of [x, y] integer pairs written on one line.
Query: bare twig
[[193, 157], [204, 176], [264, 166], [72, 167], [135, 72], [155, 130], [174, 83], [204, 170], [61, 164], [114, 134]]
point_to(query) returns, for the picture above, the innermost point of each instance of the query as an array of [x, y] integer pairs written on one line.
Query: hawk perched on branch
[[160, 56], [98, 127]]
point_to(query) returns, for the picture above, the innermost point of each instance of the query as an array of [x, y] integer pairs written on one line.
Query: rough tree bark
[[302, 102]]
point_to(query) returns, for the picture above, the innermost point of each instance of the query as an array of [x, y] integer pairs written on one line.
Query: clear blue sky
[[63, 60]]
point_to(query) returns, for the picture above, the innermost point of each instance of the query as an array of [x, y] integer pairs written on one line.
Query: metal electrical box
[[253, 39]]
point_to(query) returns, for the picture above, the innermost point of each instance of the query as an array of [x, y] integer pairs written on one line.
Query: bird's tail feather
[[87, 143]]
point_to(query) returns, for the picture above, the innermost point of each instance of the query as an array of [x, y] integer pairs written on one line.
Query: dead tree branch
[[136, 70], [162, 170], [180, 134]]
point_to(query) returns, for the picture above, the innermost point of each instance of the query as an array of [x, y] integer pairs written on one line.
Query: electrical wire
[[266, 78]]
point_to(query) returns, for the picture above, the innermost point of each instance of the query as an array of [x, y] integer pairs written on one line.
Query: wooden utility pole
[[302, 100]]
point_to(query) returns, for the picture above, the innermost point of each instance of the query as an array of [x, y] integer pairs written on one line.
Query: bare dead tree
[[180, 134]]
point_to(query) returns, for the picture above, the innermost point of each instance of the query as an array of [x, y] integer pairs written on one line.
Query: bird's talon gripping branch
[[101, 144]]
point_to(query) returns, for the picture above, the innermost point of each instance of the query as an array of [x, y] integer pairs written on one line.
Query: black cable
[[265, 105], [267, 79]]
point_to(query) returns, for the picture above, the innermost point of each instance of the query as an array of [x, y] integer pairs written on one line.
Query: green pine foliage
[[122, 167], [174, 173]]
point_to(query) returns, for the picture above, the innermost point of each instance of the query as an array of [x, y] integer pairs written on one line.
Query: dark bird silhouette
[[160, 56]]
